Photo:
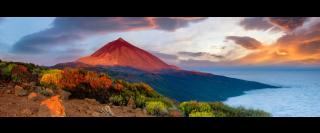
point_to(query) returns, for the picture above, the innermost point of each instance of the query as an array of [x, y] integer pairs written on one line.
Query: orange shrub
[[97, 82], [71, 78]]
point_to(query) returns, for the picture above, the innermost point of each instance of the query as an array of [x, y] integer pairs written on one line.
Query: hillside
[[124, 61]]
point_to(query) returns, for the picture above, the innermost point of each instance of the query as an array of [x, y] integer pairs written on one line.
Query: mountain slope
[[122, 60], [181, 85]]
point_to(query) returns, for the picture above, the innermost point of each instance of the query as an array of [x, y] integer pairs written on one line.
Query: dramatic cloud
[[246, 42], [276, 23], [288, 23], [68, 30], [311, 47], [299, 46], [256, 23]]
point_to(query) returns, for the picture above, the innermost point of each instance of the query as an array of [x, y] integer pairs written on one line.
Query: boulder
[[64, 94], [48, 92], [33, 96], [52, 107], [44, 91], [19, 91]]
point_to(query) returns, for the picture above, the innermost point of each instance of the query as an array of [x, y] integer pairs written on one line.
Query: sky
[[181, 41]]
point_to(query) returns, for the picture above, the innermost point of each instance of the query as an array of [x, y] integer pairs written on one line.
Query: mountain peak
[[122, 53]]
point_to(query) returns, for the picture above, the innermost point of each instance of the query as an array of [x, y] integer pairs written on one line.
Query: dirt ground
[[20, 106]]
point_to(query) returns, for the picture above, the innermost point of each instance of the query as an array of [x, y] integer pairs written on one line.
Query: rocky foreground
[[27, 100]]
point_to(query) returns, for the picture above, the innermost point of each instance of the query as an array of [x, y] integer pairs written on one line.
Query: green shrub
[[140, 101], [223, 110], [242, 112], [118, 100], [193, 106], [6, 71], [157, 108], [201, 114]]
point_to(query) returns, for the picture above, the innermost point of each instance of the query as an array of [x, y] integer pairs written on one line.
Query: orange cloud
[[295, 47]]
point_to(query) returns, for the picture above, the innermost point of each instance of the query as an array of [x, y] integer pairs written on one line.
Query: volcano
[[122, 53], [122, 60]]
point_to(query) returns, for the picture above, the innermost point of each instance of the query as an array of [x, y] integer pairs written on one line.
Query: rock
[[48, 92], [38, 89], [131, 103], [19, 91], [33, 96], [92, 101], [44, 91], [64, 94], [52, 107], [107, 110], [8, 91]]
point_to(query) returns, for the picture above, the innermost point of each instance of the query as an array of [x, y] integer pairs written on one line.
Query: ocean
[[299, 95]]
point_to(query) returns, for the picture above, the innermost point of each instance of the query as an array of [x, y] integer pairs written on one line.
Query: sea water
[[299, 95]]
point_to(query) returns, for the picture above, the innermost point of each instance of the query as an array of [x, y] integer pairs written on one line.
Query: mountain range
[[122, 60]]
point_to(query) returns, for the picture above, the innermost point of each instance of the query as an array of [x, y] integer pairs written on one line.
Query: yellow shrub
[[51, 78]]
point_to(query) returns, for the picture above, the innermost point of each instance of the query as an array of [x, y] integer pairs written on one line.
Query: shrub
[[188, 107], [201, 114], [71, 78], [222, 110], [20, 73], [117, 100], [51, 77], [6, 71], [166, 101], [140, 101], [242, 112], [156, 108], [97, 81]]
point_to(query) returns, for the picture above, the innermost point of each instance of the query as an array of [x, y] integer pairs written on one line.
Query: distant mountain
[[122, 53], [122, 60]]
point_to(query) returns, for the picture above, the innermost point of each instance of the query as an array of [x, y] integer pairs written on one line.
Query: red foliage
[[97, 82], [71, 78], [19, 69], [20, 73]]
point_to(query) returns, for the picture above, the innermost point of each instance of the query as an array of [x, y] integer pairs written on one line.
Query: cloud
[[255, 23], [201, 55], [168, 58], [288, 23], [69, 30], [300, 45], [310, 47], [246, 42], [171, 24]]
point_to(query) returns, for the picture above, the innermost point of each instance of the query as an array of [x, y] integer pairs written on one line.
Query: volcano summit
[[122, 53]]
